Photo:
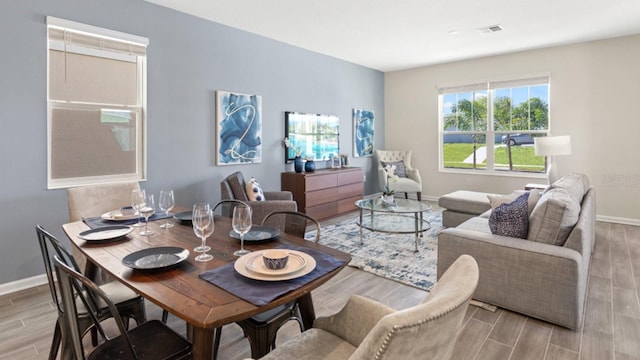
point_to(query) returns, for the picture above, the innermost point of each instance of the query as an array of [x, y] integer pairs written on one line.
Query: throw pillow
[[254, 191], [496, 200], [401, 169], [511, 219], [554, 217]]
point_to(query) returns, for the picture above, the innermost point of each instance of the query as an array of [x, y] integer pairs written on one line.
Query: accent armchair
[[234, 187], [365, 329], [406, 184]]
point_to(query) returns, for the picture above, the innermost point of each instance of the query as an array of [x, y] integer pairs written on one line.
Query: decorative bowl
[[275, 259], [127, 210]]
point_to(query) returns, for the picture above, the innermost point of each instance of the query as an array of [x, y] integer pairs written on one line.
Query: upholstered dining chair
[[235, 187], [261, 329], [408, 180], [365, 329], [129, 304], [148, 340]]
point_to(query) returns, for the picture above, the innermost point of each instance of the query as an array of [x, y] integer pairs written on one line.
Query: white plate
[[106, 233], [241, 267], [116, 215], [295, 263]]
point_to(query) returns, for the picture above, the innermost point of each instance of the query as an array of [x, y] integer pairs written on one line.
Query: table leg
[[307, 311], [415, 215], [360, 225], [202, 340]]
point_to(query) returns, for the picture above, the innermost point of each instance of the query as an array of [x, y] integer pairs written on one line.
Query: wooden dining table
[[179, 290]]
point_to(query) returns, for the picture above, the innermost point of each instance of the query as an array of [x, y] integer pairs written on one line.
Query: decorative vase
[[298, 165], [388, 199], [310, 166]]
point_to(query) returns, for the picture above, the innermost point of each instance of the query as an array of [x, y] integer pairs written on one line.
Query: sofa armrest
[[355, 320], [414, 175], [260, 209], [278, 195]]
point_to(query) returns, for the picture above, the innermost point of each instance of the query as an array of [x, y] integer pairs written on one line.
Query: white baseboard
[[618, 220], [22, 284]]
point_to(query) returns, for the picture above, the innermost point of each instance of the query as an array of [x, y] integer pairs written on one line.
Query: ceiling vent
[[489, 29]]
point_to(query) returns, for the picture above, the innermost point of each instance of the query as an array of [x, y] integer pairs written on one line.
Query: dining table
[[182, 289]]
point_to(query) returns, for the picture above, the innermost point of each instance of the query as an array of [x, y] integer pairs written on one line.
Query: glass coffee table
[[403, 217]]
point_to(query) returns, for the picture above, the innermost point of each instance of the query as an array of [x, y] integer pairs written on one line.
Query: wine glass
[[137, 200], [241, 225], [166, 202], [202, 219], [147, 209], [200, 207]]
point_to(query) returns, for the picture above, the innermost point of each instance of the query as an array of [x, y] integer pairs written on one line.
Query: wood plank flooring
[[611, 328]]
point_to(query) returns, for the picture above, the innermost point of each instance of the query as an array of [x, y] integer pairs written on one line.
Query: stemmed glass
[[241, 225], [202, 220], [166, 202], [200, 207], [147, 209], [137, 201]]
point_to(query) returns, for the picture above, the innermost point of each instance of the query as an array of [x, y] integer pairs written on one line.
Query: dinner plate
[[116, 215], [241, 267], [184, 217], [295, 263], [257, 234], [156, 258], [106, 233]]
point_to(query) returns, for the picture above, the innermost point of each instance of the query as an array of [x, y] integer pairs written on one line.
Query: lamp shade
[[552, 145]]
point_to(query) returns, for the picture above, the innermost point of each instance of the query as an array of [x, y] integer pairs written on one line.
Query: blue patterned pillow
[[511, 219], [254, 191], [401, 169]]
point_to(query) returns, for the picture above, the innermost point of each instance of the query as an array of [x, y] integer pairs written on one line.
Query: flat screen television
[[314, 136]]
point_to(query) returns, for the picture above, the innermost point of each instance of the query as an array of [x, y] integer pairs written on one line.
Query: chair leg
[[216, 342], [419, 196], [165, 316], [406, 195], [55, 343]]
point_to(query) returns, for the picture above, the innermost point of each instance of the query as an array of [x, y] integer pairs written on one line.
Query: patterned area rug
[[388, 255]]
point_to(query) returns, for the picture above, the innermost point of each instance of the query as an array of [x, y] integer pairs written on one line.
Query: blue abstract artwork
[[362, 132], [239, 128]]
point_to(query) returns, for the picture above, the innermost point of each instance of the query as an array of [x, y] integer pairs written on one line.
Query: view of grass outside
[[523, 157]]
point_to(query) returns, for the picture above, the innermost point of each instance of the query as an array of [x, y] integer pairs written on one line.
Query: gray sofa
[[544, 276]]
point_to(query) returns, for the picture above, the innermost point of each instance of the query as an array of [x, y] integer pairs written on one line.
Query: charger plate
[[156, 258], [256, 258], [256, 264], [257, 234], [116, 215], [106, 233]]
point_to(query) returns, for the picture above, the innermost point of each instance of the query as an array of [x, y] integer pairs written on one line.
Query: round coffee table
[[402, 217]]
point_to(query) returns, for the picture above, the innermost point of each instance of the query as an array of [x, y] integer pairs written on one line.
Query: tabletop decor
[[387, 192], [298, 164], [363, 121], [239, 128]]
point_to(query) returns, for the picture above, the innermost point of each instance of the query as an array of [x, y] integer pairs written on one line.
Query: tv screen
[[312, 136]]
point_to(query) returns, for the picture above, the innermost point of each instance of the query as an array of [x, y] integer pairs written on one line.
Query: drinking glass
[[147, 209], [241, 225], [137, 200], [166, 202], [202, 219], [200, 207]]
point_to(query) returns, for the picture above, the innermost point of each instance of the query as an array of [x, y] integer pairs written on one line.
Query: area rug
[[391, 256]]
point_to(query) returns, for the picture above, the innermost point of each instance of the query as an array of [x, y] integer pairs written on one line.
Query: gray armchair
[[234, 187], [365, 329], [409, 184]]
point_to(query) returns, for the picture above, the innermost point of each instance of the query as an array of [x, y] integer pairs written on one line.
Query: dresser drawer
[[317, 182], [350, 177], [321, 196]]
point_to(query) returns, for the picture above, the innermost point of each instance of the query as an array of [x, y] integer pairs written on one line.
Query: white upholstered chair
[[409, 184], [365, 329]]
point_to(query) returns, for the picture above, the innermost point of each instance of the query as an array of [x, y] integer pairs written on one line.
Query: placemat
[[98, 222], [263, 292]]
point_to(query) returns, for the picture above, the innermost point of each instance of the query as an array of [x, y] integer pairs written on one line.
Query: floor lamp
[[552, 146]]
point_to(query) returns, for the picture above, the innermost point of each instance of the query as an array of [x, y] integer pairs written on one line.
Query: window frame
[[137, 54], [490, 87]]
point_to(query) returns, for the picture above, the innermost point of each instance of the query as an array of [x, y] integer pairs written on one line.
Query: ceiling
[[391, 35]]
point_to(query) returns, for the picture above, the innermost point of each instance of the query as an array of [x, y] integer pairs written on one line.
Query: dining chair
[[129, 304], [149, 340], [366, 329], [261, 329]]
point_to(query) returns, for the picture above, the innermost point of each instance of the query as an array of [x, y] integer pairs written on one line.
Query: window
[[96, 116], [491, 126]]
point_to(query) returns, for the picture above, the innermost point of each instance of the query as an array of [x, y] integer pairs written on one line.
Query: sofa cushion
[[468, 202], [401, 169], [576, 184], [554, 217], [254, 190], [511, 218], [496, 200]]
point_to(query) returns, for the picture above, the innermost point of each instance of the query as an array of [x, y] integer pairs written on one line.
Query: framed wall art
[[362, 132], [238, 128]]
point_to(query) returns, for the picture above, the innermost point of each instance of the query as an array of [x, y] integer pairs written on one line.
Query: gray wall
[[189, 58]]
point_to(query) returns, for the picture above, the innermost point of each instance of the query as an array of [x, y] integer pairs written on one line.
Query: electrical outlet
[[364, 178]]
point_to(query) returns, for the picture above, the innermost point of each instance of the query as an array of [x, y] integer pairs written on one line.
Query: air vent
[[489, 29]]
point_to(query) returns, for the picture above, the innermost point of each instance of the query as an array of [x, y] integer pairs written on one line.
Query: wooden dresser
[[325, 192]]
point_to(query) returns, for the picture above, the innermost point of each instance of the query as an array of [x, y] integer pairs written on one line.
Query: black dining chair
[[149, 340], [261, 329], [129, 304]]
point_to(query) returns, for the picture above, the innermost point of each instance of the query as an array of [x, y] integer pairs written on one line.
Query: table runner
[[98, 222], [263, 292]]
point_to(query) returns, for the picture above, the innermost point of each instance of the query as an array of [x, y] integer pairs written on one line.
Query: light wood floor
[[611, 327]]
